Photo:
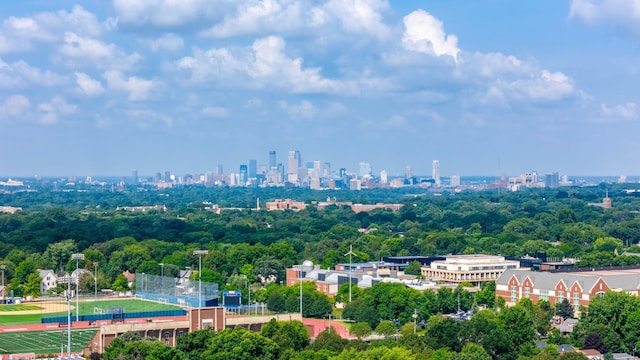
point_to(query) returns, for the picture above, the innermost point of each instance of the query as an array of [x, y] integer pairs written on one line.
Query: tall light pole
[[350, 253], [77, 258], [2, 267], [300, 281], [95, 279], [200, 253], [414, 316], [161, 278]]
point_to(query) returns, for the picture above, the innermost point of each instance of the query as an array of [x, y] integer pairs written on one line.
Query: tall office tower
[[253, 168], [435, 172], [158, 176], [135, 177], [455, 180], [272, 160], [167, 176], [243, 175], [326, 169], [343, 172], [219, 169], [364, 169], [280, 170], [383, 177], [552, 180], [294, 166], [316, 170], [408, 174]]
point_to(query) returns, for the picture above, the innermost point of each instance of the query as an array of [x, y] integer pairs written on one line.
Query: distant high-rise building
[[219, 169], [552, 180], [383, 177], [135, 177], [364, 169], [167, 176], [455, 180], [435, 172], [326, 169], [243, 175], [294, 166], [280, 170], [408, 173], [158, 176], [253, 168], [272, 159]]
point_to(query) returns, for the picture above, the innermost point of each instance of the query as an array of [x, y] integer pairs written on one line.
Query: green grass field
[[44, 342], [86, 308]]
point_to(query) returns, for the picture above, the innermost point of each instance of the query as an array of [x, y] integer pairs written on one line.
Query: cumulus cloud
[[264, 64], [619, 13], [20, 74], [137, 88], [424, 33], [87, 85], [50, 112], [14, 106], [303, 17], [165, 13], [169, 42], [626, 111], [89, 51], [20, 33]]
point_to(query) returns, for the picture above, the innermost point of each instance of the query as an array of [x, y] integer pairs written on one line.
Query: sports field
[[44, 342], [19, 315]]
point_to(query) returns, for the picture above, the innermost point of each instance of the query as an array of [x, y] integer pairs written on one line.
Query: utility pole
[[95, 279]]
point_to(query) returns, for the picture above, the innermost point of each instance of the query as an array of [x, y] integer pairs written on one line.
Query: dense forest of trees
[[256, 245]]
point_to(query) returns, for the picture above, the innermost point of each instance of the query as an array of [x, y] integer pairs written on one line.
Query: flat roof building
[[474, 269]]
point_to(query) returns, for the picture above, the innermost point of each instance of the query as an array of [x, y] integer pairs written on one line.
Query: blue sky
[[484, 86]]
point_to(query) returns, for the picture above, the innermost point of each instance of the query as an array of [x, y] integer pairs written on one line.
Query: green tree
[[329, 339], [413, 268], [120, 283], [472, 351], [386, 328], [32, 287], [360, 329], [194, 343], [518, 325], [565, 310], [240, 343]]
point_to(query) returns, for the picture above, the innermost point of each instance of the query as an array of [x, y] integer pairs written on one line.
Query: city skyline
[[486, 87]]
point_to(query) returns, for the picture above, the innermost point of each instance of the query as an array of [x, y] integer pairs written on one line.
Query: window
[[576, 302], [513, 294], [527, 292], [560, 296], [544, 295]]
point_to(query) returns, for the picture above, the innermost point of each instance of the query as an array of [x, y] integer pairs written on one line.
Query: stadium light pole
[[95, 279], [350, 253], [200, 253], [161, 278], [300, 281], [77, 258], [2, 267]]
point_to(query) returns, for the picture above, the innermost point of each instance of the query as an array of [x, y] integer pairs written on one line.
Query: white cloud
[[89, 51], [360, 16], [169, 42], [14, 106], [137, 88], [20, 33], [622, 13], [263, 65], [304, 110], [214, 111], [147, 118], [87, 85], [626, 111], [20, 74], [165, 13], [254, 17], [303, 18], [424, 33], [50, 112]]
